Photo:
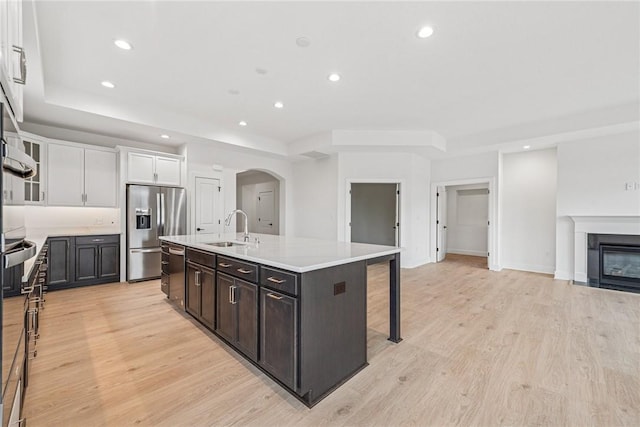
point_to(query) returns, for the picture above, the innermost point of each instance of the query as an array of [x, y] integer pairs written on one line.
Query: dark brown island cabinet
[[201, 286], [83, 260], [307, 331]]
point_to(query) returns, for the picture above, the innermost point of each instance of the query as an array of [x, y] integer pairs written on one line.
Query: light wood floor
[[480, 348]]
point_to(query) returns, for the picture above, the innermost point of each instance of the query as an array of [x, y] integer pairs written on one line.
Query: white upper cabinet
[[141, 168], [147, 168], [81, 176], [167, 171], [35, 186], [100, 178], [12, 187], [13, 65]]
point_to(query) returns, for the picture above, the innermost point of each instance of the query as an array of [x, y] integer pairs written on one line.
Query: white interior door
[[207, 201], [441, 224], [266, 211]]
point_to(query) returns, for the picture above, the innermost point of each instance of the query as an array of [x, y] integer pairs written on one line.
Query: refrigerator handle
[[158, 215], [162, 211]]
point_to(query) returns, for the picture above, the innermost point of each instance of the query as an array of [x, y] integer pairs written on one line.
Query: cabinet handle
[[42, 197], [274, 280], [97, 240], [176, 251], [243, 271], [223, 265], [164, 262], [274, 296], [232, 294], [23, 66], [197, 278]]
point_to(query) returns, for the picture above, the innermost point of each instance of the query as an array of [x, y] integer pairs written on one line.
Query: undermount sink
[[225, 244]]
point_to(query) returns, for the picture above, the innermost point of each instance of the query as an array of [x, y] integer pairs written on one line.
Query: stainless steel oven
[[16, 166]]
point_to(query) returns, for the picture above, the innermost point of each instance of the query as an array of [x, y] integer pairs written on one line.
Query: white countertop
[[289, 253], [40, 235]]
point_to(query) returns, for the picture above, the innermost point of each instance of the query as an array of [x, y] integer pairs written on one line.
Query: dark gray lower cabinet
[[61, 259], [237, 314], [86, 262], [109, 261], [201, 293], [12, 284], [83, 260], [278, 336]]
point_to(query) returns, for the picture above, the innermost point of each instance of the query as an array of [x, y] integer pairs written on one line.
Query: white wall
[[248, 184], [479, 168], [315, 198], [592, 177], [467, 215], [203, 157], [461, 168], [320, 196], [528, 215], [412, 172]]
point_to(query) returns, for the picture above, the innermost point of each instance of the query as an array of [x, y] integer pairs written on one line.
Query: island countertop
[[289, 253]]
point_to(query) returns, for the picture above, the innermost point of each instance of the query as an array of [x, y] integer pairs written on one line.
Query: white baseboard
[[563, 275], [466, 252], [580, 277], [414, 264], [545, 269]]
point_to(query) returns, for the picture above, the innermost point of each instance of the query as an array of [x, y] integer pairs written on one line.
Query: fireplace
[[613, 261]]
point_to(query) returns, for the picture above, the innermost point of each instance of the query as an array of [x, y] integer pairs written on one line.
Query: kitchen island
[[294, 307]]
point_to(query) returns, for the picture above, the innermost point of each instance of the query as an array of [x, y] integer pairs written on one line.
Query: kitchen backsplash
[[52, 218]]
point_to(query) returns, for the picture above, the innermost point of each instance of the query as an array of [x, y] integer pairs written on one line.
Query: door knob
[[199, 229]]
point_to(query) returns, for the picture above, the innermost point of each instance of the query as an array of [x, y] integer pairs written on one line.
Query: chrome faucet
[[227, 222]]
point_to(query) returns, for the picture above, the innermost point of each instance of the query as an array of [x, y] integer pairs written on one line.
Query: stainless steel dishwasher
[[176, 275]]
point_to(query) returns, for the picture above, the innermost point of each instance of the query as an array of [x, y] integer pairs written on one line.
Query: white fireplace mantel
[[584, 225]]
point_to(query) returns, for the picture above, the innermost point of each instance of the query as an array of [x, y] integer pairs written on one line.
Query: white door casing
[[441, 224], [207, 205], [493, 252], [266, 211]]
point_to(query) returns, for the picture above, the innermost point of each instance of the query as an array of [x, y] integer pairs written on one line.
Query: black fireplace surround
[[613, 261]]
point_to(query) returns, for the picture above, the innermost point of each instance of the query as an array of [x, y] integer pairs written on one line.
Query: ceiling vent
[[315, 155]]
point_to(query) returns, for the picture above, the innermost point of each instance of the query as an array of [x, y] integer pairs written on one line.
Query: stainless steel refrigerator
[[151, 212]]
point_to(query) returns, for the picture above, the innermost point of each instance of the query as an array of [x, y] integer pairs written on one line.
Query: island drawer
[[234, 267], [279, 280], [92, 240], [203, 258]]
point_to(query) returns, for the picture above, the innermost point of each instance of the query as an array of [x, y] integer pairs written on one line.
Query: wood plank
[[479, 348]]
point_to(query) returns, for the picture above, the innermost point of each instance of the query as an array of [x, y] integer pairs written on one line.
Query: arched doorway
[[258, 194]]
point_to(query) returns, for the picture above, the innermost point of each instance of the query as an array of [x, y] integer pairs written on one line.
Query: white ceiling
[[492, 71]]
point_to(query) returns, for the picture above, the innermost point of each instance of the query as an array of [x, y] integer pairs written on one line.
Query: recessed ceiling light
[[108, 84], [123, 44], [234, 91], [242, 123], [165, 136], [334, 77], [261, 71], [278, 104], [526, 147], [425, 32]]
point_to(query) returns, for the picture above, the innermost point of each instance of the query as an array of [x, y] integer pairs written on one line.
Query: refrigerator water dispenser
[[143, 219]]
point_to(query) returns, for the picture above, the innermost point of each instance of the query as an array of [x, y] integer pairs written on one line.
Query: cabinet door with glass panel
[[34, 187]]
